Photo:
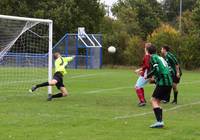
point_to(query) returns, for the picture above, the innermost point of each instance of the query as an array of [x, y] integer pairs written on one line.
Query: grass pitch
[[102, 105]]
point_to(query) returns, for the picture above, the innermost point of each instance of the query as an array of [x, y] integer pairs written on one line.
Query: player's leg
[[155, 102], [175, 90], [176, 80], [139, 88], [63, 91], [50, 83], [158, 113], [160, 93]]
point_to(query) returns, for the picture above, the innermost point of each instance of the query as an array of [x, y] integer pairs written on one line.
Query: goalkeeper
[[60, 71]]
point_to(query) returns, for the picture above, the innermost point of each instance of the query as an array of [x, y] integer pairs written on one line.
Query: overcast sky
[[110, 2]]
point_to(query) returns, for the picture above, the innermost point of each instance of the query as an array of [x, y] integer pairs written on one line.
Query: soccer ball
[[111, 49]]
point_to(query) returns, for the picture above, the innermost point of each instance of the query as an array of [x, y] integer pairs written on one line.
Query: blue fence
[[25, 60], [86, 57]]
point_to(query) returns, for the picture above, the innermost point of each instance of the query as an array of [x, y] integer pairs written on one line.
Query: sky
[[111, 2]]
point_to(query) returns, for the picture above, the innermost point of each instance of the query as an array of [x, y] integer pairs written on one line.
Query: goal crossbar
[[26, 19]]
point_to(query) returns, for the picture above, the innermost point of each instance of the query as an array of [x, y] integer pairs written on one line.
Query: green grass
[[96, 98]]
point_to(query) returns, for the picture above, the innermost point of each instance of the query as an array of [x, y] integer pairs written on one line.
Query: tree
[[166, 35], [67, 15], [171, 8], [144, 13]]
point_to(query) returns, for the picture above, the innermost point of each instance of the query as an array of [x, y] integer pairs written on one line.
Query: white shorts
[[141, 82]]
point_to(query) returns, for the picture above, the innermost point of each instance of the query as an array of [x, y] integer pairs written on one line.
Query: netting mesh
[[23, 54]]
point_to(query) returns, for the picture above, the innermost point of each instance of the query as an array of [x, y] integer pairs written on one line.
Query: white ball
[[111, 49]]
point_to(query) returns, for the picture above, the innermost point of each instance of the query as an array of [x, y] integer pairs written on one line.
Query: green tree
[[196, 17], [171, 8], [66, 14], [144, 13]]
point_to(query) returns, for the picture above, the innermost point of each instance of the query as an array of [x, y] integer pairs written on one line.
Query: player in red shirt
[[139, 86]]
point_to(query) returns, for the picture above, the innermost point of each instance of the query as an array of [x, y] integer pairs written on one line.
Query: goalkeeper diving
[[60, 71]]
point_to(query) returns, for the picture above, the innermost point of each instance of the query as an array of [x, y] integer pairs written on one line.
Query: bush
[[166, 35], [190, 49], [134, 51]]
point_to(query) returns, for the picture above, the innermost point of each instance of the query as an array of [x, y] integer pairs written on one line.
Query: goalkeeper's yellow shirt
[[61, 63]]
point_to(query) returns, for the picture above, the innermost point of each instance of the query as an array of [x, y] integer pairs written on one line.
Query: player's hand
[[137, 71], [152, 80], [73, 56], [178, 75]]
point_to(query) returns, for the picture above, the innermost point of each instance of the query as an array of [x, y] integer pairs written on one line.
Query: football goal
[[25, 53]]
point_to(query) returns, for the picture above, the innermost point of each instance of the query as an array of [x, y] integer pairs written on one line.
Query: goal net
[[25, 53]]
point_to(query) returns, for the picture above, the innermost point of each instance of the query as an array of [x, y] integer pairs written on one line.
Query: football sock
[[42, 84], [161, 112], [175, 95], [57, 95], [140, 94], [158, 114]]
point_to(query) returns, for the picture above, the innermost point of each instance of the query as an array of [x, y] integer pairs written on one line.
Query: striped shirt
[[172, 63], [160, 71]]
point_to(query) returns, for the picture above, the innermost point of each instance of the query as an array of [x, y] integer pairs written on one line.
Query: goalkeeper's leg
[[50, 83], [63, 92]]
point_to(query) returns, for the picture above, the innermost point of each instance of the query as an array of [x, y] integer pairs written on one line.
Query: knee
[[64, 94], [137, 87], [174, 88], [53, 82]]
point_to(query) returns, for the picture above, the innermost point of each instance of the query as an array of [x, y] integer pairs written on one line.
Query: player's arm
[[67, 59], [175, 62], [154, 68], [138, 70], [146, 64], [178, 71]]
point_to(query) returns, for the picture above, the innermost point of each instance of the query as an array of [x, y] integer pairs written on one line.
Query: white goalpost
[[25, 53]]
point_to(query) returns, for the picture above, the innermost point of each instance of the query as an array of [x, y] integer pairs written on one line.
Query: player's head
[[165, 49], [56, 55], [151, 49], [146, 45]]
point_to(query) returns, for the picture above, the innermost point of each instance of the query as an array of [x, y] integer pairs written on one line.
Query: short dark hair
[[151, 49], [166, 47]]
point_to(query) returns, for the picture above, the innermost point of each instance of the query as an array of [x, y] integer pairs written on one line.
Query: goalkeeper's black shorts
[[59, 78]]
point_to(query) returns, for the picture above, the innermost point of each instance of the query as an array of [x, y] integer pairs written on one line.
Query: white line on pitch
[[129, 87], [106, 89], [43, 79], [165, 110], [84, 75]]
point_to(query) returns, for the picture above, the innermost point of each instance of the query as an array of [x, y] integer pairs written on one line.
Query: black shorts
[[59, 78], [175, 79], [162, 92]]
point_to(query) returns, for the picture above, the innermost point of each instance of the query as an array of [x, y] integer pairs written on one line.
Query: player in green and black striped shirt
[[174, 69], [160, 71]]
